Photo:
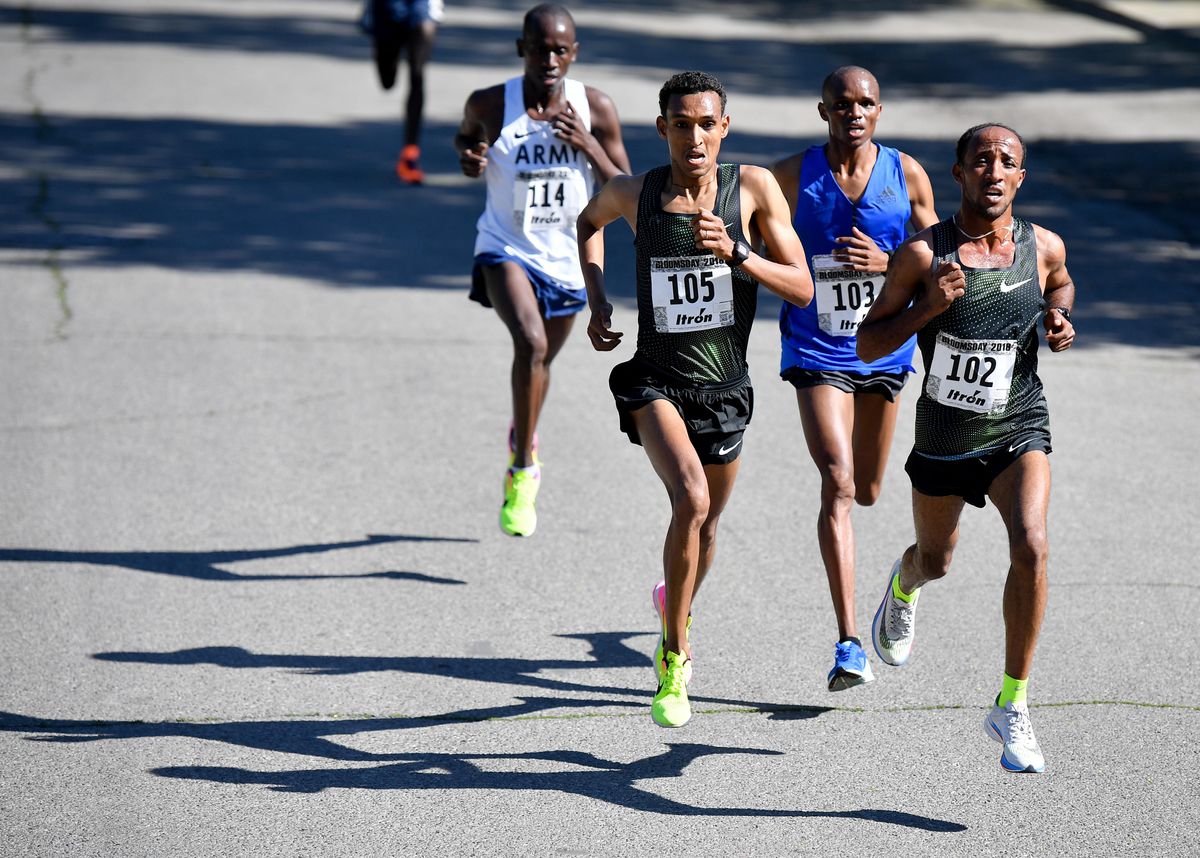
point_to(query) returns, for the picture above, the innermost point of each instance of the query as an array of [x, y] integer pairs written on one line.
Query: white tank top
[[537, 185]]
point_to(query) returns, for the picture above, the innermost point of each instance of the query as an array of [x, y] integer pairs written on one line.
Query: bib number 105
[[692, 282]]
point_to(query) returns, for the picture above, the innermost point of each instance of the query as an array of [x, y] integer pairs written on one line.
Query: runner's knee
[[1029, 551], [866, 494], [691, 502], [837, 487]]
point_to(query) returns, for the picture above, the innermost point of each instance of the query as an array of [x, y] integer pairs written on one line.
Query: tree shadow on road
[[591, 776], [600, 779], [606, 650], [205, 565]]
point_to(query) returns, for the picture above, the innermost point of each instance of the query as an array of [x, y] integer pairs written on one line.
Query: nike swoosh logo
[[521, 136], [1012, 447], [1005, 286], [723, 450]]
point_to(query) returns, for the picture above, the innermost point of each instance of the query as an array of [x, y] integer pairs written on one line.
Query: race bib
[[690, 293], [843, 295], [547, 199], [974, 375]]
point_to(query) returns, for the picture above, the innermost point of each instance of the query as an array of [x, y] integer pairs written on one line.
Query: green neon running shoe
[[671, 707], [517, 515], [658, 597]]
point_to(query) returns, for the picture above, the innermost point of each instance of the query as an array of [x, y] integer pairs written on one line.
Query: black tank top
[[694, 311], [981, 384]]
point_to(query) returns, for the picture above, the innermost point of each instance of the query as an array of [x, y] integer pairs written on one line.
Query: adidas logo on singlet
[[888, 194]]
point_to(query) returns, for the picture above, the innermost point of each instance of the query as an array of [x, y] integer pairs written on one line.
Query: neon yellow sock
[[1012, 691], [900, 594]]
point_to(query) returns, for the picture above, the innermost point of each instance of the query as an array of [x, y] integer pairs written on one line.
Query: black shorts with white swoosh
[[970, 477], [716, 415]]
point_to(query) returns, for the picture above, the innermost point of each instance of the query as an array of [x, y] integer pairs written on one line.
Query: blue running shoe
[[850, 666]]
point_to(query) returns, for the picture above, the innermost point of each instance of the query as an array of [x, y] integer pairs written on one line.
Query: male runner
[[408, 27], [685, 395], [851, 200], [973, 289], [541, 140]]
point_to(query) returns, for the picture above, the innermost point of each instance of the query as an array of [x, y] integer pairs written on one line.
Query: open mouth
[[695, 158]]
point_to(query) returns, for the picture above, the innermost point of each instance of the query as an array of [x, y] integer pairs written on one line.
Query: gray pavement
[[252, 433]]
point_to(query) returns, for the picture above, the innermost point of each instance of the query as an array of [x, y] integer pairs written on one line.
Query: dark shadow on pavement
[[204, 565], [605, 650], [604, 780]]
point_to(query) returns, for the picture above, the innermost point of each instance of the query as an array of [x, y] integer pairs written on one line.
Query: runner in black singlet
[[975, 289], [685, 396]]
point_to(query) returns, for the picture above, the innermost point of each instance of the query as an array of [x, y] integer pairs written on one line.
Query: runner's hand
[[711, 235], [949, 283], [603, 338], [568, 126], [860, 252], [473, 160], [1060, 333]]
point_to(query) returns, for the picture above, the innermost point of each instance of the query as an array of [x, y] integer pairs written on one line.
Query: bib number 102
[[972, 369], [853, 295], [692, 283], [539, 195]]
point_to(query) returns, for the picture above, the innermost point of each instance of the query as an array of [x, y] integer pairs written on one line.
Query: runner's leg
[[874, 427], [1022, 495], [827, 415]]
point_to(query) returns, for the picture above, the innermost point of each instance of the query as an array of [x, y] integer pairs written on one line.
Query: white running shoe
[[1010, 725], [895, 624]]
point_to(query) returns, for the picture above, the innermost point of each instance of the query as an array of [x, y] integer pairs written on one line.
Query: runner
[[973, 289], [685, 395], [851, 200], [541, 140], [404, 27]]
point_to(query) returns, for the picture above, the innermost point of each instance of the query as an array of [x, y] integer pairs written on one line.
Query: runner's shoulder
[[1050, 245], [756, 179], [917, 249], [789, 167]]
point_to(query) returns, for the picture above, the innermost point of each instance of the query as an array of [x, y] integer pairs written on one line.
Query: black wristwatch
[[1066, 314], [741, 252]]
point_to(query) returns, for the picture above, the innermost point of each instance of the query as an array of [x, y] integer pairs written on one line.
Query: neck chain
[[1007, 226]]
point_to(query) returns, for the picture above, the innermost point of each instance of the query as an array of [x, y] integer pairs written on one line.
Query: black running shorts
[[970, 479], [886, 384], [715, 415]]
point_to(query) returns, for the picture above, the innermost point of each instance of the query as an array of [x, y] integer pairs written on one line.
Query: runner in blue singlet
[[851, 200]]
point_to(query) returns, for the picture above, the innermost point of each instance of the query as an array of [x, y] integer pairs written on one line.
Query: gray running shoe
[[895, 624], [1010, 726]]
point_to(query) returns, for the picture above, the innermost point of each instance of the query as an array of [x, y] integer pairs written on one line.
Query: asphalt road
[[252, 436]]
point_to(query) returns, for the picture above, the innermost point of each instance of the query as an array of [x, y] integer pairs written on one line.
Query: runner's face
[[548, 49], [991, 172], [851, 107], [694, 128]]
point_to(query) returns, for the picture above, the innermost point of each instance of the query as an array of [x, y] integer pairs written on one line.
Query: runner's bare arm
[[920, 193], [618, 198], [1059, 290], [765, 217], [787, 174], [603, 145], [480, 126], [909, 299]]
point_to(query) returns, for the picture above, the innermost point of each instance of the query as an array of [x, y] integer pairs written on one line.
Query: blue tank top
[[821, 336]]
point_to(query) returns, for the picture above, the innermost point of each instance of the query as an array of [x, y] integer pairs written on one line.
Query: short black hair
[[843, 72], [960, 151], [545, 11], [689, 83]]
